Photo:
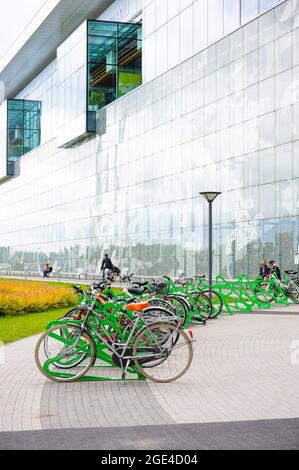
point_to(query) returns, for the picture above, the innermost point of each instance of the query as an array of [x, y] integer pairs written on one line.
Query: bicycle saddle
[[291, 272], [136, 290]]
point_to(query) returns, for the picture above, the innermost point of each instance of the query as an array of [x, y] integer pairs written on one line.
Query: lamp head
[[210, 196]]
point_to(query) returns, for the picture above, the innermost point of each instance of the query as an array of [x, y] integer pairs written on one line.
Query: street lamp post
[[210, 197]]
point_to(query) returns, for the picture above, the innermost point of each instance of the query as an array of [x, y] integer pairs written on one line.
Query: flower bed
[[21, 297]]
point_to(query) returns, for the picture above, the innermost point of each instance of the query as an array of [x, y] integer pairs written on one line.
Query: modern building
[[117, 114]]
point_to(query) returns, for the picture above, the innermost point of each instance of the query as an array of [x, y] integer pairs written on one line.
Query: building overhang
[[37, 45]]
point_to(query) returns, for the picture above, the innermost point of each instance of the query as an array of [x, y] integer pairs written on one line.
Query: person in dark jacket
[[274, 269], [107, 266], [264, 269]]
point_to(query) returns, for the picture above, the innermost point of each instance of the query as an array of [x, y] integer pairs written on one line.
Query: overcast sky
[[14, 16]]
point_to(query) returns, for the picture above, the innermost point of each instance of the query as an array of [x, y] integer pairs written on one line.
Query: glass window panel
[[284, 162], [161, 52], [267, 60], [236, 107], [231, 15], [267, 4], [215, 20], [223, 82], [222, 53], [173, 7], [102, 88], [284, 89], [285, 208], [102, 28], [249, 10], [173, 38], [31, 140], [267, 130], [102, 50], [236, 140], [250, 37], [236, 76], [267, 96], [267, 166], [200, 13], [284, 53], [251, 64], [186, 33], [15, 105], [251, 169], [267, 27], [283, 15], [15, 143], [236, 44], [129, 78], [268, 200], [284, 123], [251, 136], [15, 119], [161, 13], [251, 102]]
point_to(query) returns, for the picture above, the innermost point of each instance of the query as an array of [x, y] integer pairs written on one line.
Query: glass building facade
[[225, 119]]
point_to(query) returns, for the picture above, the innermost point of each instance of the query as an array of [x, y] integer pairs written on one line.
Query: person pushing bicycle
[[107, 266]]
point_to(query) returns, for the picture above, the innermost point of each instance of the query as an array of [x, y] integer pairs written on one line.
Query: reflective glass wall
[[174, 30], [114, 63]]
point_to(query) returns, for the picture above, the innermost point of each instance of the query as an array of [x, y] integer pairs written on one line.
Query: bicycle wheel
[[179, 307], [202, 307], [155, 313], [216, 300], [74, 349], [265, 293], [293, 292], [156, 302], [162, 352]]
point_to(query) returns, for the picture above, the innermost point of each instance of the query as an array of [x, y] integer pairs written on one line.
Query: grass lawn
[[16, 327]]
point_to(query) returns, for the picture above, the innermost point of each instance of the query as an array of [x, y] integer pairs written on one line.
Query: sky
[[14, 16]]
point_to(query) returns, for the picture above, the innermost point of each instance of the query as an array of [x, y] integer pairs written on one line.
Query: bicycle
[[147, 344]]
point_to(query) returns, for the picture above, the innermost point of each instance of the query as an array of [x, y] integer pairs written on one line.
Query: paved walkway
[[242, 372], [253, 435]]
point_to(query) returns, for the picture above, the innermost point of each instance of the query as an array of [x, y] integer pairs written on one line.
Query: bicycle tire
[[217, 310], [145, 370], [74, 377]]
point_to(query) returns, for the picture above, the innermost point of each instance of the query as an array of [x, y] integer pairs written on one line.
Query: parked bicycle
[[143, 340]]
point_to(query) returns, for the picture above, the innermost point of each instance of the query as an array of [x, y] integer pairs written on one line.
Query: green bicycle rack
[[101, 355]]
